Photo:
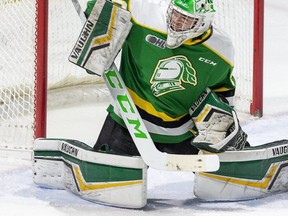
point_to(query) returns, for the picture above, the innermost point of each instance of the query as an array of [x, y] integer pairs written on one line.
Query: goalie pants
[[116, 139]]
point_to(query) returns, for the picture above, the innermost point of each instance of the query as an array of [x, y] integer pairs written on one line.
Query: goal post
[[256, 107], [40, 113], [37, 36]]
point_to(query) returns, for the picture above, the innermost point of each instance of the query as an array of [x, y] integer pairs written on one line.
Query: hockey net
[[67, 83], [18, 60], [244, 22]]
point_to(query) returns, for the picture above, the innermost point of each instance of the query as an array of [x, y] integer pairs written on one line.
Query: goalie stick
[[141, 137], [79, 10]]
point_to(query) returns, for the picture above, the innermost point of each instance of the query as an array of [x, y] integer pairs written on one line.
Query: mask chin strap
[[175, 40]]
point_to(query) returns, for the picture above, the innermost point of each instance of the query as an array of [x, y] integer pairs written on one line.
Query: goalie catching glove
[[218, 128]]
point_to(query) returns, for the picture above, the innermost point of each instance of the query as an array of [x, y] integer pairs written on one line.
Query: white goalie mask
[[187, 19]]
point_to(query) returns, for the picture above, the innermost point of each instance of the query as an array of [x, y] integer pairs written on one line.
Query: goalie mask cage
[[34, 66]]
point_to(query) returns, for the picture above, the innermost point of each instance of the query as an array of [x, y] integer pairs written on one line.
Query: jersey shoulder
[[221, 43], [149, 13]]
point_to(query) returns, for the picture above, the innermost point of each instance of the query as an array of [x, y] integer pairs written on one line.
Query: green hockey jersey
[[164, 83]]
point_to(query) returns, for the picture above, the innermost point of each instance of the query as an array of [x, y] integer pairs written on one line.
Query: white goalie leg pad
[[102, 37], [103, 178], [48, 171], [254, 172]]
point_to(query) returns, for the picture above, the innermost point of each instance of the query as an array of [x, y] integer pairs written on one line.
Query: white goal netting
[[236, 18]]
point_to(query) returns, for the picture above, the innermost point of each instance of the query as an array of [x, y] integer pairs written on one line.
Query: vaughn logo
[[280, 150], [82, 39], [69, 149], [152, 39], [170, 73]]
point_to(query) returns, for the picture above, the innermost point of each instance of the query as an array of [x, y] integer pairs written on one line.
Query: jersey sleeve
[[222, 80], [225, 88]]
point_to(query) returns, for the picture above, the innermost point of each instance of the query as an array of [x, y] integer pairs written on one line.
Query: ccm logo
[[207, 61]]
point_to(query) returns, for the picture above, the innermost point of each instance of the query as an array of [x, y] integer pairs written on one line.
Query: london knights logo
[[170, 73]]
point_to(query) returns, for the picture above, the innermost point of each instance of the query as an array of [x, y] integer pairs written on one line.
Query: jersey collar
[[200, 39]]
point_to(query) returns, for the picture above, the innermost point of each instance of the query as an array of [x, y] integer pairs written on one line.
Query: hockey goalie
[[172, 109]]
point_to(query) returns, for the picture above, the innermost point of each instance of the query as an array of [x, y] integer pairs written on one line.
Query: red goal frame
[[256, 107], [41, 58]]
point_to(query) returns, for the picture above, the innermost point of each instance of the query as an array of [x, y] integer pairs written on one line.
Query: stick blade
[[192, 163]]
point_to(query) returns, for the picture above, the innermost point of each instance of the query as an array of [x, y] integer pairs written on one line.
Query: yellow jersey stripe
[[149, 108]]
